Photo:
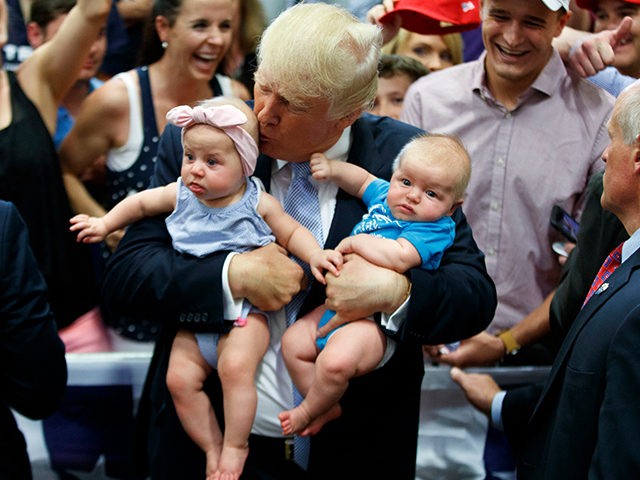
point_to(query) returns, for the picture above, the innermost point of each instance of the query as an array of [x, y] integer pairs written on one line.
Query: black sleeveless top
[[31, 178]]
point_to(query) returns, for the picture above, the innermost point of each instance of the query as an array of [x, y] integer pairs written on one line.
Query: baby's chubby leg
[[351, 351], [239, 354], [299, 349], [186, 375]]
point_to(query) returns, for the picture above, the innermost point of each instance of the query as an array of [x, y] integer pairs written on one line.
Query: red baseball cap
[[593, 4], [435, 17]]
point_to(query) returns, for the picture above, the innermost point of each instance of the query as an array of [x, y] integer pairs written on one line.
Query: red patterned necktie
[[612, 262]]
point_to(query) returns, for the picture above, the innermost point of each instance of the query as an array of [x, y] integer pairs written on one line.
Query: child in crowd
[[396, 74], [215, 206], [408, 225]]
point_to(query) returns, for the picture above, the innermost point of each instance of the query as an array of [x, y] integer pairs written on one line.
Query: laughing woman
[[186, 41]]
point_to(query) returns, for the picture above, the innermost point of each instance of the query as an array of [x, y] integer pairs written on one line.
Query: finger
[[330, 267], [605, 55], [457, 375], [432, 351], [318, 275], [622, 31]]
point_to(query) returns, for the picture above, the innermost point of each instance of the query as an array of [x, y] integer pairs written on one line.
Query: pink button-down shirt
[[524, 161]]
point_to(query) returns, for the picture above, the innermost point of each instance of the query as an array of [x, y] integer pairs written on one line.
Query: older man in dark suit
[[584, 422], [34, 370], [317, 73]]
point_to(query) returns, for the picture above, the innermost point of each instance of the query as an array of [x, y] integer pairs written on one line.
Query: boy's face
[[390, 95], [422, 190], [609, 14]]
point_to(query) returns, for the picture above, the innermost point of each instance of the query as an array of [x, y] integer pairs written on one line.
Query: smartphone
[[562, 221]]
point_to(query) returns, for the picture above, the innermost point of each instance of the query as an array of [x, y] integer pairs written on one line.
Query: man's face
[[619, 173], [517, 35], [290, 130], [609, 14]]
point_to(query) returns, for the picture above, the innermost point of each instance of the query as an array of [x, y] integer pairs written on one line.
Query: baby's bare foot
[[232, 462], [294, 420], [316, 424], [212, 464]]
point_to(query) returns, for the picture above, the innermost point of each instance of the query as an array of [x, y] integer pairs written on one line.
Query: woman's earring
[[164, 45]]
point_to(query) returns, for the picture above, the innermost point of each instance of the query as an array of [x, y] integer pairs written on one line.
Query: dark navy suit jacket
[[586, 418], [376, 437], [33, 369]]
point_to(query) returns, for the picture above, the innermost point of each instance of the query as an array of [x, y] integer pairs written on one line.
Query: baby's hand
[[329, 260], [346, 245], [92, 229], [320, 166]]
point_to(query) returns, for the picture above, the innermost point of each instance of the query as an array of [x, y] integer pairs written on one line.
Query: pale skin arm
[[101, 124], [351, 178], [399, 255], [486, 349], [147, 203], [297, 239], [134, 11], [47, 75], [588, 53]]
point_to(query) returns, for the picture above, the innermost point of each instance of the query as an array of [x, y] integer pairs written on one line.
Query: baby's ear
[[454, 206]]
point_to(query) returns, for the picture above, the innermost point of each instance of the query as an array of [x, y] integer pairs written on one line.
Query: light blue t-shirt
[[431, 239]]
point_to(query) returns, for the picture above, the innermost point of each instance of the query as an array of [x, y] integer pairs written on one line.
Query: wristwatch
[[510, 343]]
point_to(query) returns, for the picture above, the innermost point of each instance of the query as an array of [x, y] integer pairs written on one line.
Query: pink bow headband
[[225, 117]]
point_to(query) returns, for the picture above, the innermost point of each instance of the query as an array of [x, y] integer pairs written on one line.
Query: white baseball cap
[[555, 5]]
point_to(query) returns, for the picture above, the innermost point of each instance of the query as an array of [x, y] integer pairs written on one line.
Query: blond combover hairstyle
[[313, 51]]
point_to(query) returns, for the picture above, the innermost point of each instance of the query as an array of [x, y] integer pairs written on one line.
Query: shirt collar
[[338, 151], [631, 245]]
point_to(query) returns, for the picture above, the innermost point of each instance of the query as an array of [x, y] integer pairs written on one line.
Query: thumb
[[622, 31], [457, 375]]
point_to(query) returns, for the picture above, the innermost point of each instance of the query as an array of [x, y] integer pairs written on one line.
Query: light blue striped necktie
[[301, 202]]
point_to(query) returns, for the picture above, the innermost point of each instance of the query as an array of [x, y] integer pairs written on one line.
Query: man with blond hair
[[317, 73]]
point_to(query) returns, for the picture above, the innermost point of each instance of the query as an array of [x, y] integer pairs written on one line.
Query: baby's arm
[[349, 177], [399, 255], [147, 203], [297, 239]]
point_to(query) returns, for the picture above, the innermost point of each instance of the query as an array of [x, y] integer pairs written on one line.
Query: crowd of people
[[294, 215]]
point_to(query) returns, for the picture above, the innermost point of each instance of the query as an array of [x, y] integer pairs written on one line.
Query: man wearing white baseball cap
[[535, 133]]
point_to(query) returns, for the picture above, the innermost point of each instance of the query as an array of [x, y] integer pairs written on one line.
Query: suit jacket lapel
[[618, 280]]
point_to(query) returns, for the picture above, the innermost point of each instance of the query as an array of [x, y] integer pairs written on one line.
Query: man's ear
[[562, 22], [35, 35], [636, 156], [348, 120]]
